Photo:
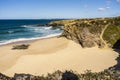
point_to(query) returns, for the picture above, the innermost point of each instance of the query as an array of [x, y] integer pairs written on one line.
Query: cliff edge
[[103, 32]]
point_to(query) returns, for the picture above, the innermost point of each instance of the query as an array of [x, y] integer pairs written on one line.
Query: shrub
[[22, 46]]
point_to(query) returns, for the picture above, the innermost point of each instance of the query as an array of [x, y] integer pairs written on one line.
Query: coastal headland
[[86, 44]]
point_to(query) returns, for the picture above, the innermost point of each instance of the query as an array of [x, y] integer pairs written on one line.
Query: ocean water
[[24, 30]]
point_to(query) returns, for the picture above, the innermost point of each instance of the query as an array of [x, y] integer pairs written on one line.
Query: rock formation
[[103, 32], [109, 74]]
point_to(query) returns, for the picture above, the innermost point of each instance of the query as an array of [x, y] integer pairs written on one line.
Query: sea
[[12, 31]]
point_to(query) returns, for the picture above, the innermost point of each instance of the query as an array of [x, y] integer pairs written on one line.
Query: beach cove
[[51, 54]]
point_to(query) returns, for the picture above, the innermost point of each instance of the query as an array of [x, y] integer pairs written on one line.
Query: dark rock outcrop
[[22, 46], [69, 76], [117, 44], [23, 77], [109, 74], [4, 77]]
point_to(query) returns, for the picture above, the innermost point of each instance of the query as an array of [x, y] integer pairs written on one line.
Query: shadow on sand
[[116, 48], [117, 66]]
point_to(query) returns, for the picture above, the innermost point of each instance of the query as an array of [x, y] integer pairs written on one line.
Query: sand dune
[[52, 54]]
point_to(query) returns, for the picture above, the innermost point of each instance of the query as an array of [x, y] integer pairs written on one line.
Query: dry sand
[[52, 54]]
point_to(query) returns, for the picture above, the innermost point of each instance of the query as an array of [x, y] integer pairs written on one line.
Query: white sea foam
[[36, 28], [47, 27], [26, 26], [10, 32], [43, 30], [27, 39]]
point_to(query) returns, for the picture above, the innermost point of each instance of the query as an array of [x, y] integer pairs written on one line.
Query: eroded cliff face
[[103, 32], [85, 32]]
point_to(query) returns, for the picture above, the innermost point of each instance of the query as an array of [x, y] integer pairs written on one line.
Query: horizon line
[[54, 18]]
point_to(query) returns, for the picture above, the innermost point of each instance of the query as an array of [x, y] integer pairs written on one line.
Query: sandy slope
[[53, 54], [101, 36]]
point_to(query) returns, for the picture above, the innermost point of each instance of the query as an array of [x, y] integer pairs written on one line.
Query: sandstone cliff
[[103, 32]]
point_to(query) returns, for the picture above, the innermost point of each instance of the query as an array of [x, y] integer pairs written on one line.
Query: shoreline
[[51, 54], [28, 40]]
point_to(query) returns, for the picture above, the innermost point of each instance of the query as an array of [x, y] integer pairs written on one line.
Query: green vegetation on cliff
[[88, 32], [112, 34]]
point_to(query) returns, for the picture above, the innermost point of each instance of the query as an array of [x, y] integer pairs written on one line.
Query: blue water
[[18, 30]]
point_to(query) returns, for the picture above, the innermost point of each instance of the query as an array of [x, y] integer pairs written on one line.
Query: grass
[[112, 34]]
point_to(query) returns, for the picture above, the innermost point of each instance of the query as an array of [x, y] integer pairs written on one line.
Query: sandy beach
[[48, 55]]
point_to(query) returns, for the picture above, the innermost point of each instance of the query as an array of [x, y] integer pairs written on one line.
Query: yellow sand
[[52, 54]]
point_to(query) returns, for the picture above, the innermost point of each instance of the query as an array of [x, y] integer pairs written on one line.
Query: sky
[[47, 9]]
